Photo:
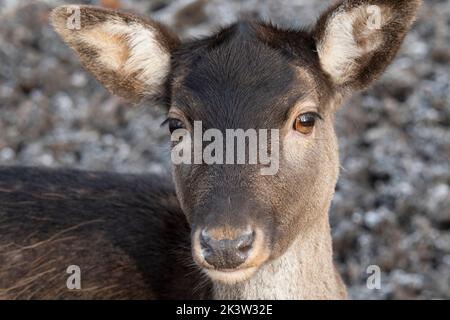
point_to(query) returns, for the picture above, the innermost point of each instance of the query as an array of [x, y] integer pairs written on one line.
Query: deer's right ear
[[129, 55]]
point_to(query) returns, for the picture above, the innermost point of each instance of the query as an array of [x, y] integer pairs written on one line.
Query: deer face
[[241, 218], [250, 76]]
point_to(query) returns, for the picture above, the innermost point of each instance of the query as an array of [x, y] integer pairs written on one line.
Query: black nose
[[226, 253]]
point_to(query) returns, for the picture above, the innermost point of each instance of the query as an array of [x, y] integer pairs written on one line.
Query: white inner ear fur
[[338, 49], [129, 49]]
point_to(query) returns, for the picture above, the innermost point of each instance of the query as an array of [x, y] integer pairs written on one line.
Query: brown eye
[[304, 123]]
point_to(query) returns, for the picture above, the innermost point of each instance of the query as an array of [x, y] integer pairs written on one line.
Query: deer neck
[[304, 271]]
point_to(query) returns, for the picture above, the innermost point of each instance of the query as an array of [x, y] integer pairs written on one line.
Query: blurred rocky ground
[[392, 205]]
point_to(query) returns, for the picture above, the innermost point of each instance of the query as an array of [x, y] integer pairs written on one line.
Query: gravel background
[[392, 206]]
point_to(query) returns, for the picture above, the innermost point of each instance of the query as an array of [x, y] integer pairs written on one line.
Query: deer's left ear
[[357, 39]]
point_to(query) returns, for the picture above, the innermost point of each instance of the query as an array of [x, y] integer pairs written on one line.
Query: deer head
[[250, 75]]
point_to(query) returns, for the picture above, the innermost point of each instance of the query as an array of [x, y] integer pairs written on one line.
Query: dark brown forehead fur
[[246, 76]]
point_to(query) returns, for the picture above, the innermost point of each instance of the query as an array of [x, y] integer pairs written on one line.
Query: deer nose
[[226, 253]]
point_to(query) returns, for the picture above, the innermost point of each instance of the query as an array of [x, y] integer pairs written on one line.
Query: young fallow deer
[[223, 231]]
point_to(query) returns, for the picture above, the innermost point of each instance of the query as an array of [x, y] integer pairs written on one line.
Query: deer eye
[[304, 123], [175, 124]]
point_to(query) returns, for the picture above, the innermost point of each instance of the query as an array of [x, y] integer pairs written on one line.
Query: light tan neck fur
[[304, 271]]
